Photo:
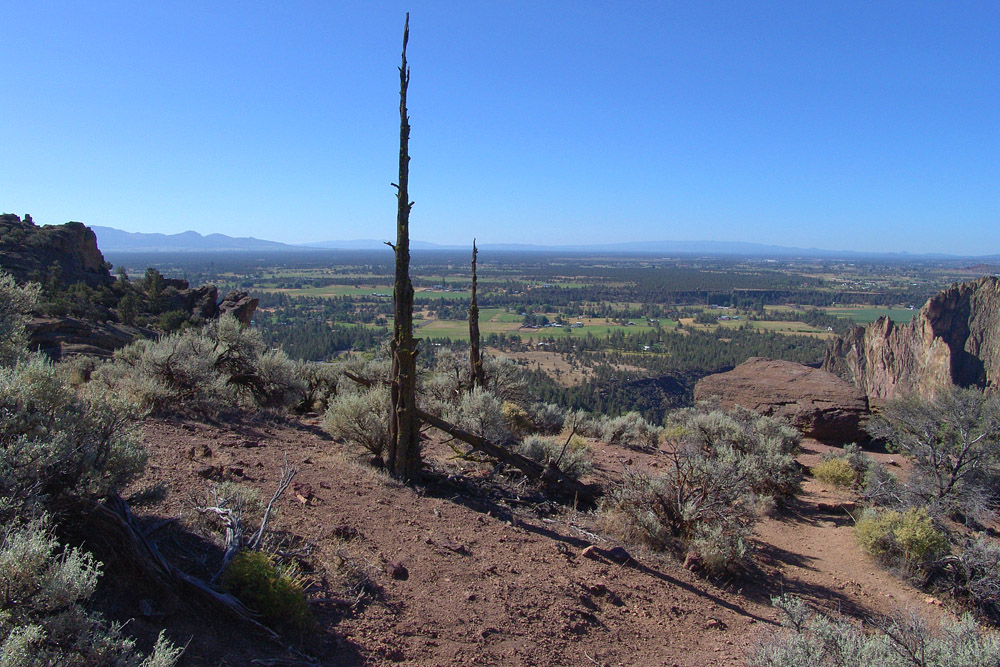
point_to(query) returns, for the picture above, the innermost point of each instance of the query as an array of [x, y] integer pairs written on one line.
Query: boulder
[[820, 404], [240, 305], [954, 339]]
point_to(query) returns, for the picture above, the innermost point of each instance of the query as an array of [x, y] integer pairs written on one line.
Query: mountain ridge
[[115, 240]]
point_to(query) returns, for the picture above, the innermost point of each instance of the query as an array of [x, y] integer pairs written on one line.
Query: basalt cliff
[[953, 339], [28, 251]]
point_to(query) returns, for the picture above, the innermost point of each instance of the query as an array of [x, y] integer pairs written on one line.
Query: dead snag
[[403, 455], [477, 377]]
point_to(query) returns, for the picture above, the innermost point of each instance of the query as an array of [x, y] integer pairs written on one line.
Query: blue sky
[[838, 125]]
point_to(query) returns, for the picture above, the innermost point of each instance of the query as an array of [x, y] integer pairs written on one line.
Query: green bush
[[15, 303], [906, 539], [835, 471], [275, 592], [573, 457]]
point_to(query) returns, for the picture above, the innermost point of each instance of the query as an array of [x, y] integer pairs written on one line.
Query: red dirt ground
[[465, 571]]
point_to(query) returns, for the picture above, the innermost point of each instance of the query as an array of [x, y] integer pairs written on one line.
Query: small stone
[[597, 589], [714, 623], [589, 552], [397, 570]]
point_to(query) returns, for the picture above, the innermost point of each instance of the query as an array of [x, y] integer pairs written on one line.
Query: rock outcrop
[[240, 305], [60, 337], [954, 339], [28, 251], [820, 404]]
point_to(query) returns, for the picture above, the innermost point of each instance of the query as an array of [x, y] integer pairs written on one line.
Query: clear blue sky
[[841, 125]]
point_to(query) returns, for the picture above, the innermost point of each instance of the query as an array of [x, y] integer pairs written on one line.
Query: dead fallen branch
[[112, 524], [551, 477]]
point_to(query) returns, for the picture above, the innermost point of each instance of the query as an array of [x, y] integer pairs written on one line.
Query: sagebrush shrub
[[547, 418], [721, 472], [221, 366], [480, 411], [54, 440], [811, 639], [702, 504], [954, 441], [15, 304], [572, 456], [44, 620], [56, 443], [630, 430], [361, 418], [766, 445], [976, 576]]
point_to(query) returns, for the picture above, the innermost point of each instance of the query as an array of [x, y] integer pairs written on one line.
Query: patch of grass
[[275, 592]]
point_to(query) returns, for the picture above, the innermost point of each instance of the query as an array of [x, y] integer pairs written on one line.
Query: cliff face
[[26, 248], [954, 339]]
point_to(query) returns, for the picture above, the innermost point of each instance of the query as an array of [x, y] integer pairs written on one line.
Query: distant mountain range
[[110, 239]]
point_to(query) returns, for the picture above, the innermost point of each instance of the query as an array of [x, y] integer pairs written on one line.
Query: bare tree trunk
[[404, 429], [477, 377]]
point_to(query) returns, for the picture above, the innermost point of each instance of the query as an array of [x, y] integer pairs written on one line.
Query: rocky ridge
[[953, 339]]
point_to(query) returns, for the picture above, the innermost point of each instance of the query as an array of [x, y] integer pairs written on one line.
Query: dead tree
[[477, 377], [403, 456]]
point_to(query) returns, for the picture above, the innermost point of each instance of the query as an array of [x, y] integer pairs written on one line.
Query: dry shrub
[[361, 418], [835, 471], [571, 456], [809, 639]]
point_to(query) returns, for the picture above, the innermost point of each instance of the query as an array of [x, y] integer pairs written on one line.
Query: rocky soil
[[469, 569]]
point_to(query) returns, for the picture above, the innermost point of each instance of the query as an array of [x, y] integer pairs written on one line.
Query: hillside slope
[[461, 571]]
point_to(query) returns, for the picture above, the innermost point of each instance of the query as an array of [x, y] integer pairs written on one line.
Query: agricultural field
[[866, 315]]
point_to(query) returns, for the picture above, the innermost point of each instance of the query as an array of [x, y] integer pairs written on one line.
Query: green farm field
[[866, 315]]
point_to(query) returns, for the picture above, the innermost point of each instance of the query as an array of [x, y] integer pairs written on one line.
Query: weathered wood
[[477, 377], [550, 475], [403, 452]]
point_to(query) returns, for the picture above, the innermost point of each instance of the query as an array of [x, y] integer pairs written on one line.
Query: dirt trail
[[438, 575], [812, 550]]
